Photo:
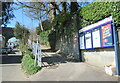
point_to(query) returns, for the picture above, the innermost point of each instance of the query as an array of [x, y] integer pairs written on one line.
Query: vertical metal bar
[[91, 38], [39, 57], [35, 54], [80, 52], [116, 48]]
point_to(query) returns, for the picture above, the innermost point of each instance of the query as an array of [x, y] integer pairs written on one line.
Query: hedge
[[99, 10]]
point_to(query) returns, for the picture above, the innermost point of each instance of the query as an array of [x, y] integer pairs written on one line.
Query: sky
[[22, 19]]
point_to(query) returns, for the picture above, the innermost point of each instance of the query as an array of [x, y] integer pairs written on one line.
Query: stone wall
[[68, 47]]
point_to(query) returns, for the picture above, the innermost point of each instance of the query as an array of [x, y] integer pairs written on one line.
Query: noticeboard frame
[[90, 30]]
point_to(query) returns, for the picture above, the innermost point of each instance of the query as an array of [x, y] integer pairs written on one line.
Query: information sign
[[82, 45], [96, 38], [88, 40], [107, 35]]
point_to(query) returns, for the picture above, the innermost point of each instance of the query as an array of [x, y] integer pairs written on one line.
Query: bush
[[44, 37], [23, 48], [28, 63]]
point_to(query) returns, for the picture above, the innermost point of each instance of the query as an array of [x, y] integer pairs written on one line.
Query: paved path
[[11, 68], [72, 72], [60, 69]]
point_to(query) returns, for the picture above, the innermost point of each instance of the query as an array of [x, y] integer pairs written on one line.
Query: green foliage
[[23, 48], [28, 64], [100, 10], [44, 37], [65, 25], [46, 26], [21, 33], [28, 61], [18, 31], [62, 20]]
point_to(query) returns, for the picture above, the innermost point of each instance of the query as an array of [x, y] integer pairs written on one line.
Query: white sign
[[82, 45], [96, 38], [88, 40]]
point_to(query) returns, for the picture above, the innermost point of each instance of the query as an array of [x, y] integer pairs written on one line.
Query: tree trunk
[[64, 8], [73, 7]]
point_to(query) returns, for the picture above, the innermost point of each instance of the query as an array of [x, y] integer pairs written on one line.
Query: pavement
[[58, 68], [72, 72], [54, 68], [11, 67]]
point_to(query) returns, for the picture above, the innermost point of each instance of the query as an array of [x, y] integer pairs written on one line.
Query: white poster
[[96, 38], [82, 45], [88, 40]]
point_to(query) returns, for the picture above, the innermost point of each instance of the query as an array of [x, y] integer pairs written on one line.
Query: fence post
[[116, 47]]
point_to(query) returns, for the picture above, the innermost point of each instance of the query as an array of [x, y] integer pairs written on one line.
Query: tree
[[60, 14], [21, 33], [46, 25], [73, 7], [7, 12]]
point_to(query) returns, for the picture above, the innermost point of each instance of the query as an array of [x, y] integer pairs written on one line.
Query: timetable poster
[[88, 40], [96, 38], [82, 45], [107, 35]]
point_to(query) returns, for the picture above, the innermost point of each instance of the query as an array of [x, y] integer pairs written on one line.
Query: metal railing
[[36, 49]]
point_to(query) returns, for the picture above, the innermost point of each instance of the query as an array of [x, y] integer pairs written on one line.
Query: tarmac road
[[11, 68]]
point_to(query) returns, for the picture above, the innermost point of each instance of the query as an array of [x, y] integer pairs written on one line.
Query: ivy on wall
[[99, 10]]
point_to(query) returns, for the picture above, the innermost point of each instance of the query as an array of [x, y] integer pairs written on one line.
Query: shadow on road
[[55, 59], [14, 51], [48, 50], [11, 59]]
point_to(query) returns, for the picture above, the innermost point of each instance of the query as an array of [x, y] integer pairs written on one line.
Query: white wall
[[99, 57]]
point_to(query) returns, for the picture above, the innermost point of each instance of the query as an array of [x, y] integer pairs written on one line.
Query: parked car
[[6, 50]]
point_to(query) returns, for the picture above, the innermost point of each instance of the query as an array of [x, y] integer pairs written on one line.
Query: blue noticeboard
[[97, 35]]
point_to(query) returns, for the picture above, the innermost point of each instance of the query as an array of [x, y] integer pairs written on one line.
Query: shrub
[[23, 48], [28, 63], [44, 37]]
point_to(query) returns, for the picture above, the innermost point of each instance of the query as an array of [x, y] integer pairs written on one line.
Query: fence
[[36, 49]]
